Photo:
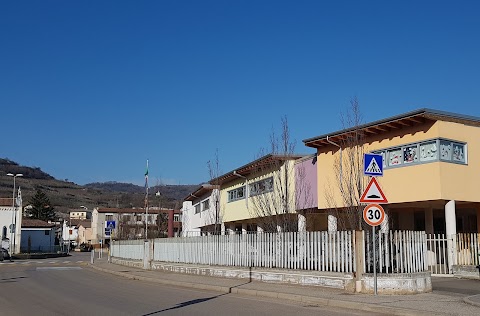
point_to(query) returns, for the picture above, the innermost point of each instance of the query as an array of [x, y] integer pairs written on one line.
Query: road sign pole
[[374, 262]]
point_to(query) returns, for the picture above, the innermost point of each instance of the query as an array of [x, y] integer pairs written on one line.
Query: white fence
[[128, 249], [437, 254], [468, 249], [396, 251], [320, 251]]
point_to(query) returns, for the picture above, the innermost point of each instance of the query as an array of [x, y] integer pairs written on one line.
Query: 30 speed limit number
[[373, 214]]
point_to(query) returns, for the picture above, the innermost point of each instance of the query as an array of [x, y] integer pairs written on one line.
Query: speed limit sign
[[373, 214]]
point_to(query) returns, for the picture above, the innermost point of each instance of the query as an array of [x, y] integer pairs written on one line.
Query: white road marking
[[58, 268]]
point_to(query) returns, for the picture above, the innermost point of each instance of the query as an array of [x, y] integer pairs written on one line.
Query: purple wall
[[306, 183]]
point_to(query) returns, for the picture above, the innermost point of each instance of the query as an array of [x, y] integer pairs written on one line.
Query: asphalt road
[[66, 286], [456, 286]]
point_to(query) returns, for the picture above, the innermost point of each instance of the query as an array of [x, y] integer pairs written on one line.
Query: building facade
[[11, 222], [262, 196], [430, 162], [201, 211], [133, 223], [38, 236]]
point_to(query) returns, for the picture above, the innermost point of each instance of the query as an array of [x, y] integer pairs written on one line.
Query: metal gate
[[437, 254]]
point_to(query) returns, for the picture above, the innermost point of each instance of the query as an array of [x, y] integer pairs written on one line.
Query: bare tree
[[272, 191], [350, 181], [215, 214]]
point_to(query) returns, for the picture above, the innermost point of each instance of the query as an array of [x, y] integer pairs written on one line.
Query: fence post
[[359, 260], [92, 255], [146, 254]]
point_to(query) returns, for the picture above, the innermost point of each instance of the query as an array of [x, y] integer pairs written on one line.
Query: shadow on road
[[200, 300], [185, 304]]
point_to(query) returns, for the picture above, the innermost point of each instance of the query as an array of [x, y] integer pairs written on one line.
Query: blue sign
[[110, 224], [373, 165]]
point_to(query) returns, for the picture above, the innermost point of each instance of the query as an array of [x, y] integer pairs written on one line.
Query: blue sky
[[89, 90]]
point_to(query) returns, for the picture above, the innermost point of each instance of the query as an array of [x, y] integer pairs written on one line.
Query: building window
[[452, 151], [126, 218], [176, 217], [395, 157], [426, 151], [139, 218], [109, 217], [410, 154], [262, 186], [197, 208], [206, 205], [236, 194], [458, 154]]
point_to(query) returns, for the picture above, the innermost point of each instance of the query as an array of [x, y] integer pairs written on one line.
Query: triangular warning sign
[[373, 193], [373, 167]]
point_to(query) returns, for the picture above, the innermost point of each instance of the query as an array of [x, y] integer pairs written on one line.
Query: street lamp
[[14, 218]]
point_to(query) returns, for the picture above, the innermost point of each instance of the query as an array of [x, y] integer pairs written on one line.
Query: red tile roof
[[5, 201], [35, 223]]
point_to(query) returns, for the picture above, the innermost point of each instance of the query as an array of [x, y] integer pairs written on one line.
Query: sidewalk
[[435, 303]]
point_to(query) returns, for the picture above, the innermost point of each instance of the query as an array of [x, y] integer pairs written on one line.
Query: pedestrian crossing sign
[[373, 165]]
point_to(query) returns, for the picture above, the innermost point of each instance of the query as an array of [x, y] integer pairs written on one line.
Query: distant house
[[130, 223], [80, 214], [70, 231], [37, 236], [84, 231]]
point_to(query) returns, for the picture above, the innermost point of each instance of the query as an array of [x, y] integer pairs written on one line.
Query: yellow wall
[[244, 209], [236, 210], [420, 182]]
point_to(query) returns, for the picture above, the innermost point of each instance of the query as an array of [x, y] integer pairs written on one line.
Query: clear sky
[[89, 90]]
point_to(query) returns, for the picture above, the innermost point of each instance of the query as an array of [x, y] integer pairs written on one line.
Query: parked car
[[85, 247], [4, 254]]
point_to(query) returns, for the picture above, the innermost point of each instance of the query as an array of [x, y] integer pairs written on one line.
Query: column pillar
[[451, 231], [222, 228], [302, 222], [170, 223], [359, 259], [332, 223], [146, 255], [244, 229], [429, 229]]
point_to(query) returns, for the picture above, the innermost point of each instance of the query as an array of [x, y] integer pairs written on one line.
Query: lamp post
[[86, 215], [13, 228]]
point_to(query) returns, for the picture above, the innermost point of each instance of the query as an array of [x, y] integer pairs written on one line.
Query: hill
[[66, 195]]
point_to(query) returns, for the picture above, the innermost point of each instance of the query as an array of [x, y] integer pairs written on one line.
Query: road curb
[[367, 307], [469, 301]]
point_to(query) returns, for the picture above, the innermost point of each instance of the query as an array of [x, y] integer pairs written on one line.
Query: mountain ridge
[[66, 195]]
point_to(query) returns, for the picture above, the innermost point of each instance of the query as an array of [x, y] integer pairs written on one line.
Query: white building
[[70, 232], [11, 217], [201, 211]]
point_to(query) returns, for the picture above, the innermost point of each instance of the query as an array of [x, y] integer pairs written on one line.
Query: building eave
[[251, 167], [397, 122]]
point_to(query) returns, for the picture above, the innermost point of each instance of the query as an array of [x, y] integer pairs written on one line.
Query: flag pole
[[146, 202]]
